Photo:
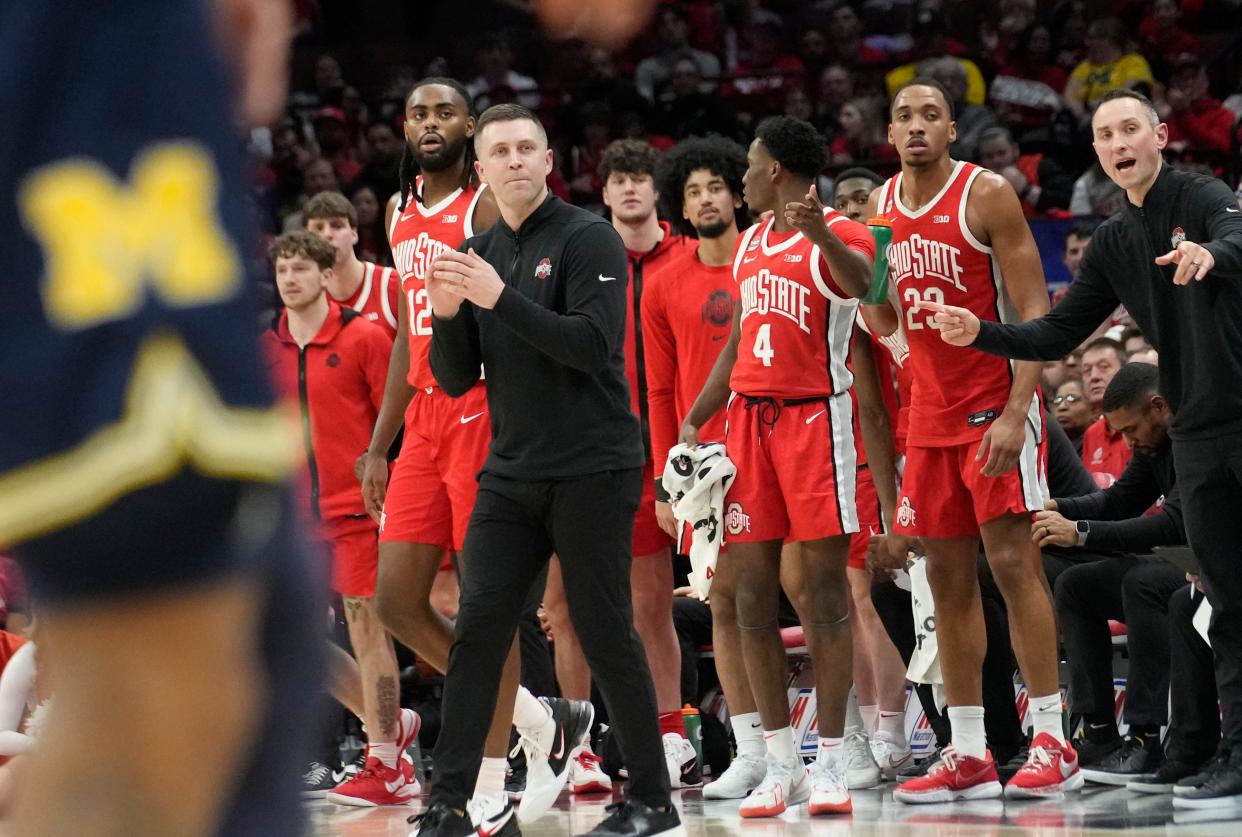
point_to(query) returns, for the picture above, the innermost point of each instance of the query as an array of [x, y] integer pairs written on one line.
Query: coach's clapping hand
[[958, 327], [468, 275]]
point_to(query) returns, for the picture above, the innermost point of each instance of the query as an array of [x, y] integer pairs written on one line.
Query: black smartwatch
[[1084, 528]]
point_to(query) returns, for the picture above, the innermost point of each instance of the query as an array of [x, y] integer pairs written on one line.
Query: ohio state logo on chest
[[918, 257], [765, 293], [415, 255]]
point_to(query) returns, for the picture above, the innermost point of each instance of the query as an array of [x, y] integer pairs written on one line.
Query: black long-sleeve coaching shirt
[[553, 347], [1117, 514], [1196, 328]]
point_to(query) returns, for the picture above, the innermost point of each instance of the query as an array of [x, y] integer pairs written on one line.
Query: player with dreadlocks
[[424, 510]]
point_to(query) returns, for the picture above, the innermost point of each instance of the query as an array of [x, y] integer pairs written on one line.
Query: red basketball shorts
[[796, 469], [435, 478], [945, 495], [869, 519], [355, 557], [649, 538]]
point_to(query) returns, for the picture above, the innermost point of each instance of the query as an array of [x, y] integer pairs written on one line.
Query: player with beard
[[785, 377], [975, 454], [423, 512], [626, 169]]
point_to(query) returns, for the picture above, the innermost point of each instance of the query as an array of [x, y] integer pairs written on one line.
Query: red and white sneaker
[[830, 788], [1050, 770], [586, 773], [409, 723], [954, 777], [785, 785], [378, 785]]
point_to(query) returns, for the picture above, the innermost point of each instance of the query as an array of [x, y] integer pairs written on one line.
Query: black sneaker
[[1135, 757], [318, 780], [1092, 752], [441, 821], [1222, 790], [918, 769], [494, 817], [1206, 772], [634, 819], [1163, 780], [549, 752]]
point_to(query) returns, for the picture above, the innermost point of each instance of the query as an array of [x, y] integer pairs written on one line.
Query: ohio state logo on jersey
[[718, 310], [736, 521], [765, 293], [920, 257], [415, 255]]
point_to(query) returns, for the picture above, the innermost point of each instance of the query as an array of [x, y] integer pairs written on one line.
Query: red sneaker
[[409, 723], [955, 777], [377, 785], [1050, 770]]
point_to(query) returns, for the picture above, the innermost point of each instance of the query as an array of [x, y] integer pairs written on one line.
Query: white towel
[[925, 661], [696, 479]]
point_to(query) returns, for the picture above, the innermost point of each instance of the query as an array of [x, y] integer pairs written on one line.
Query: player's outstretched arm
[[716, 388]]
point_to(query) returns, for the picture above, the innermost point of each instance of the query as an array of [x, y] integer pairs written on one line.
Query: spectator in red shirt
[[1199, 125], [1072, 411], [848, 42], [1026, 93], [761, 79], [836, 87], [862, 137], [1104, 452], [1161, 37], [332, 135], [1043, 187]]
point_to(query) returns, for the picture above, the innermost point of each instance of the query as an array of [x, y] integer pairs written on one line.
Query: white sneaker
[[745, 774], [785, 785], [586, 773], [830, 793], [860, 766], [548, 754], [682, 762], [890, 758], [492, 814]]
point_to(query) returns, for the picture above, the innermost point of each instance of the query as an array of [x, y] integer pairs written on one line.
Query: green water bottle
[[693, 725], [882, 232]]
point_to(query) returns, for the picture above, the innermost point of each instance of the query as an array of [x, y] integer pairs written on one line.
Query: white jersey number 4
[[763, 344]]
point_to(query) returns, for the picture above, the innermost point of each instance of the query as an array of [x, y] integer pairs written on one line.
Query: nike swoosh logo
[[561, 751], [493, 826], [468, 419], [1230, 209], [812, 418], [756, 726], [604, 278]]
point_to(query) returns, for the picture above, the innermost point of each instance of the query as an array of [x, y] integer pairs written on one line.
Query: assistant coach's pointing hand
[[1192, 260], [468, 275], [958, 327]]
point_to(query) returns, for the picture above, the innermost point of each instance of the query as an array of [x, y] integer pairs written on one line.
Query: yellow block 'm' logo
[[105, 241]]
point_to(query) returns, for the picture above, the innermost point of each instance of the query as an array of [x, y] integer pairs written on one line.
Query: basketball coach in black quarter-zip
[[539, 301]]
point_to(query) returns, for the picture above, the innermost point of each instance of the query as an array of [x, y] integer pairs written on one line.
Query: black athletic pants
[[516, 526], [1209, 478], [1132, 590], [1194, 716]]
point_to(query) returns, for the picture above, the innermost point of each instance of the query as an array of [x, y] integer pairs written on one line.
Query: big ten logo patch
[[718, 310], [736, 519]]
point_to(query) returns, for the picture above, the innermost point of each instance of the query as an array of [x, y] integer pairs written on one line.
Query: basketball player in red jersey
[[426, 507], [790, 433], [626, 169], [975, 454], [367, 288]]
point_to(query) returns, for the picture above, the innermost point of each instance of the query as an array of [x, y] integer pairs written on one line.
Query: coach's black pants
[[1194, 716], [516, 526], [1132, 590], [1209, 478]]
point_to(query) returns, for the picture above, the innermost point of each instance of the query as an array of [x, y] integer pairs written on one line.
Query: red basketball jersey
[[796, 321], [376, 299], [418, 235], [896, 350], [957, 392]]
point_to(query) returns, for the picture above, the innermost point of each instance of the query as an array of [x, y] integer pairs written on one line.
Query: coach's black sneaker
[[630, 818], [441, 821], [548, 754], [493, 816], [1200, 777], [318, 779], [1095, 745], [1163, 780], [1136, 756], [1222, 790]]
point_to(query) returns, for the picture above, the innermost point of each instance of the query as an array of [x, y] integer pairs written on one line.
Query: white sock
[[869, 714], [386, 753], [1046, 714], [830, 749], [748, 731], [491, 781], [854, 722], [892, 725], [780, 744], [968, 736], [529, 713]]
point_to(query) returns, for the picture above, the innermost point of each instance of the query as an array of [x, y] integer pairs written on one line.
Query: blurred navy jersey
[[127, 324]]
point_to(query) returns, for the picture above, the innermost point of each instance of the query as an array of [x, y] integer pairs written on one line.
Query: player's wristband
[[882, 232]]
